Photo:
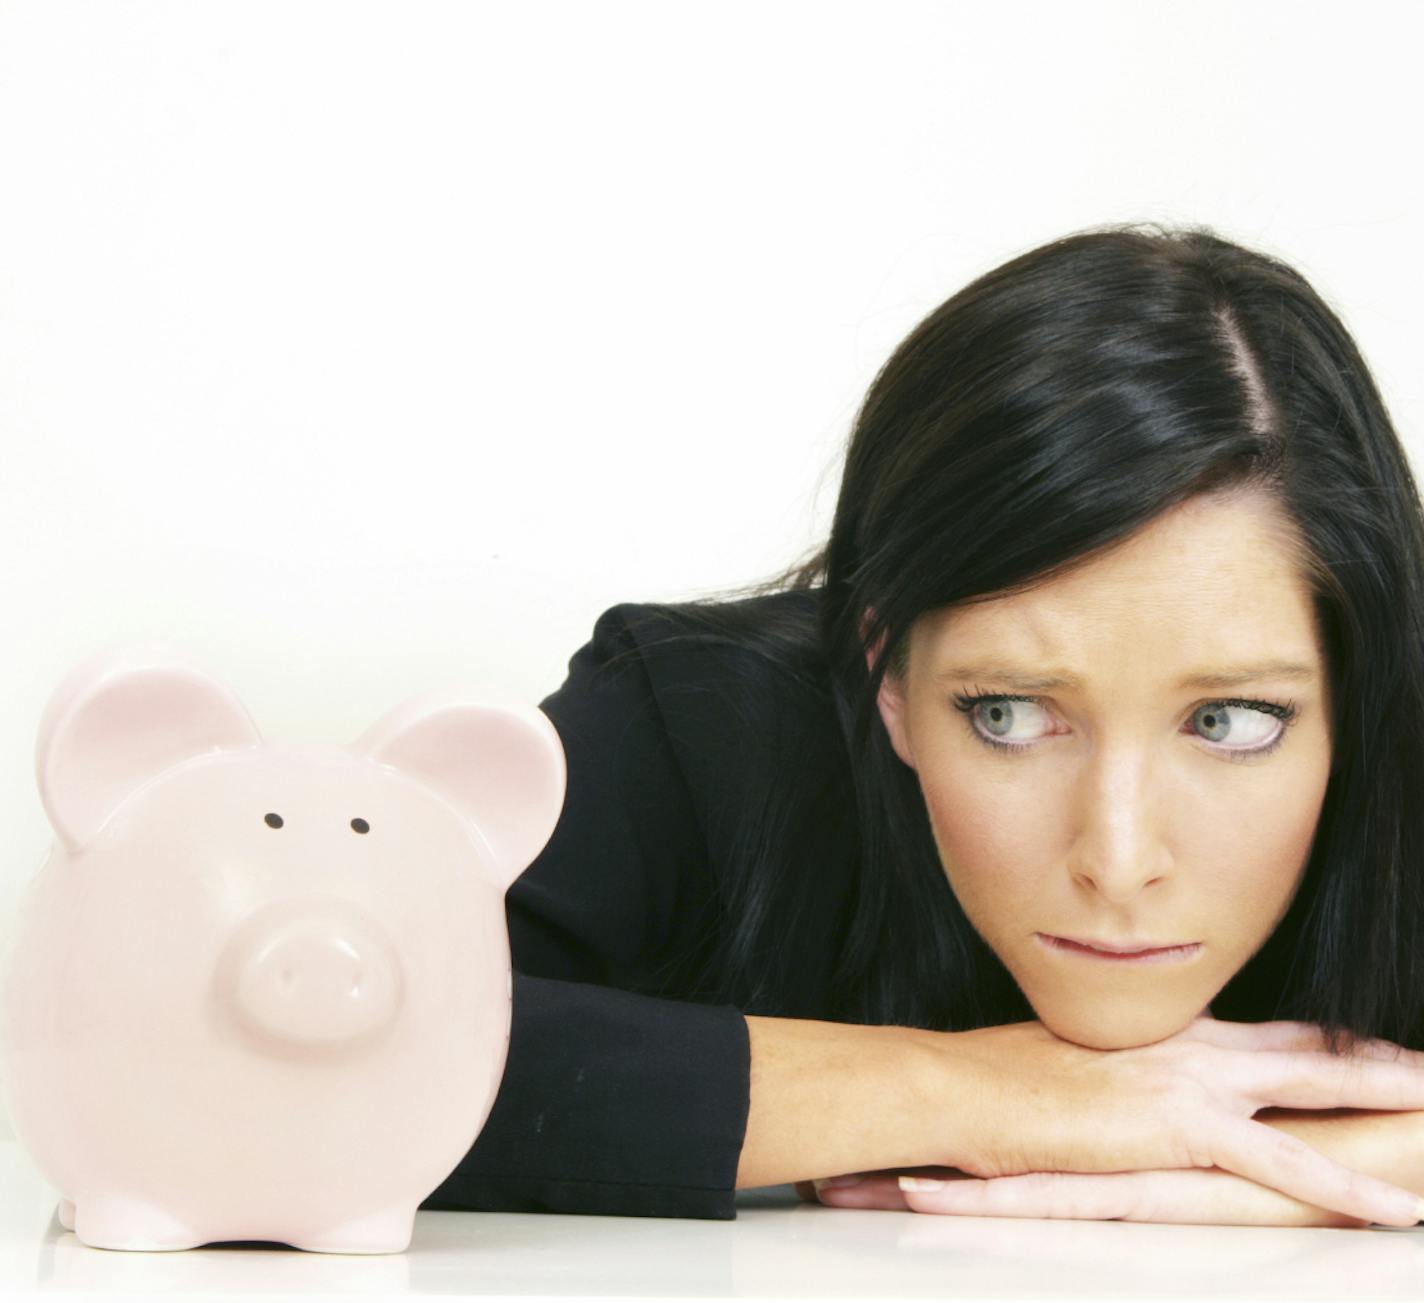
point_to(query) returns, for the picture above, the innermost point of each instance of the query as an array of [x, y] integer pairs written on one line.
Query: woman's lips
[[1168, 955]]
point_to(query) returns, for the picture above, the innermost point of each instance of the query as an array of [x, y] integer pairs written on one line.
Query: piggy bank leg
[[66, 1213], [120, 1222], [387, 1231]]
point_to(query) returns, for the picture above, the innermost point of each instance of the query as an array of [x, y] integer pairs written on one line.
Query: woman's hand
[[1203, 1195], [1090, 1126], [1388, 1145]]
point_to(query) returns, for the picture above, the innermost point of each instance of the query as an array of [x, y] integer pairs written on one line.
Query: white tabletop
[[778, 1247]]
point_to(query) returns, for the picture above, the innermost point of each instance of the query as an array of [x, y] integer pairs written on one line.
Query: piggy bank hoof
[[66, 1214], [388, 1231], [116, 1222]]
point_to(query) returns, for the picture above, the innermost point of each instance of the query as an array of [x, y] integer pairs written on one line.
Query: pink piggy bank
[[263, 992]]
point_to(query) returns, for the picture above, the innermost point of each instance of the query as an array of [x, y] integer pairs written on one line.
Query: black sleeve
[[612, 1101]]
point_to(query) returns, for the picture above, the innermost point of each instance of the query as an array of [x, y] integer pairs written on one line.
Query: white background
[[364, 346]]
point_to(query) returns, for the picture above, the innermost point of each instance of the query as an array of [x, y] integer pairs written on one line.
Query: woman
[[1116, 637]]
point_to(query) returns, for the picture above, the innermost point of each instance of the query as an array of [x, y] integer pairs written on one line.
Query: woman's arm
[[839, 1097]]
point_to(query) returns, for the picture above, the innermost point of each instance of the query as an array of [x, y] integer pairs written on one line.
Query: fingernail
[[920, 1183], [835, 1182]]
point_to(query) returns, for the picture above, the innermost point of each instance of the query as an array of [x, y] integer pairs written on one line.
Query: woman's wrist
[[829, 1097]]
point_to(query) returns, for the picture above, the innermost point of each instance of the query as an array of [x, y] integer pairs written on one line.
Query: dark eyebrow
[[1223, 678]]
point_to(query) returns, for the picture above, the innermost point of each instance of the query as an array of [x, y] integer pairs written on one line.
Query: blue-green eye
[[1000, 714], [1216, 716]]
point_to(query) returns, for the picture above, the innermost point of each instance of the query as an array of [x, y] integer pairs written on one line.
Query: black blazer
[[626, 1089]]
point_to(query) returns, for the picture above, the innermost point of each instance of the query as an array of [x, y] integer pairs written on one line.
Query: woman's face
[[1136, 807]]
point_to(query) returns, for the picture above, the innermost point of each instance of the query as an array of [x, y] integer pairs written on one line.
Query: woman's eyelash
[[1285, 711]]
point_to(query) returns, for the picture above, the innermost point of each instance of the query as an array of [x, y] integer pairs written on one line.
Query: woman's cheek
[[985, 843]]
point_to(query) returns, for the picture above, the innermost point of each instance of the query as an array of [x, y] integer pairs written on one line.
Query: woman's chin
[[1124, 1029]]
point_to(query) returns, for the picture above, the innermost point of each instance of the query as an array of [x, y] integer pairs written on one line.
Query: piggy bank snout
[[313, 976]]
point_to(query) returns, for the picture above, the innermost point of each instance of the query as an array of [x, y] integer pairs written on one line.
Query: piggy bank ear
[[120, 718], [496, 760]]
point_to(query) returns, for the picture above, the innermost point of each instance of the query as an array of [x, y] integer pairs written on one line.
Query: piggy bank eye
[[274, 820], [360, 825]]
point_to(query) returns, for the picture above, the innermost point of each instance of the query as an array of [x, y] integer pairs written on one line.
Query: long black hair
[[1042, 414]]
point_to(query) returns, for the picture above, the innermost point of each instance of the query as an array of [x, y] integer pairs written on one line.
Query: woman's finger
[[878, 1191], [1034, 1194], [1287, 1035], [1284, 1162], [1304, 1079], [878, 1188], [1200, 1196]]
